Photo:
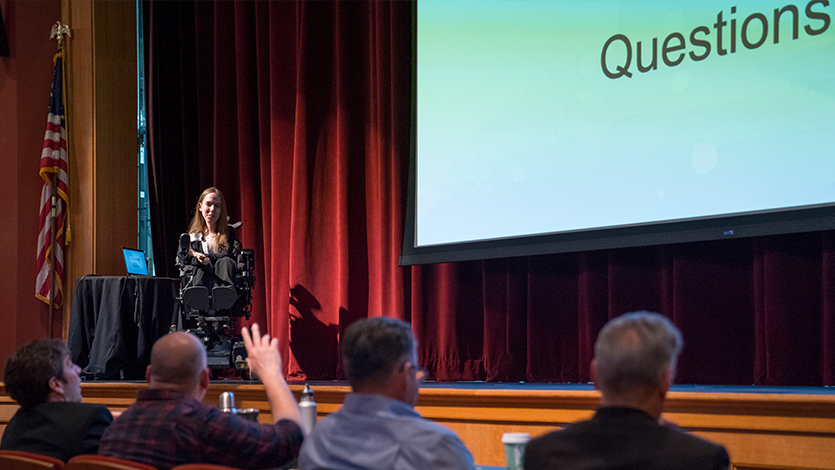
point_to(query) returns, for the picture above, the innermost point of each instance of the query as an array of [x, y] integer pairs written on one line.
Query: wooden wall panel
[[760, 431], [116, 153], [101, 83]]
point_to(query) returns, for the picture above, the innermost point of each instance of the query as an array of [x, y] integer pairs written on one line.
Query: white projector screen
[[558, 125]]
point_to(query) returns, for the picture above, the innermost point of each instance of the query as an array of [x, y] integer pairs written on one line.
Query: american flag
[[54, 174]]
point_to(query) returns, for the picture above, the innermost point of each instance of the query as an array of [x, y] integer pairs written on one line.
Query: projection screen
[[546, 126]]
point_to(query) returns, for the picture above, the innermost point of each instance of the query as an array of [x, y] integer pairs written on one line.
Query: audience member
[[377, 426], [168, 425], [51, 420], [634, 364]]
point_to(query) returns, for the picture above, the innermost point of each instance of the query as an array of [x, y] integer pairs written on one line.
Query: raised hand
[[262, 352]]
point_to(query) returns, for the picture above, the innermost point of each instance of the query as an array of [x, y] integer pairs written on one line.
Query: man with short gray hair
[[633, 367], [377, 426]]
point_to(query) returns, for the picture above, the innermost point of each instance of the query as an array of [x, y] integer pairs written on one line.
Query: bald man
[[168, 425]]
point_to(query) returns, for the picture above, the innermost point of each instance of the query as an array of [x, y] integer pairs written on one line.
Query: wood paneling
[[101, 83], [760, 430]]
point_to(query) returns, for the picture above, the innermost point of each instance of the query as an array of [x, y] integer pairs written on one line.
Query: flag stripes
[[53, 171]]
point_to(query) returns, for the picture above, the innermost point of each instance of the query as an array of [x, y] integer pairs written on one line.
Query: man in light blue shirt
[[377, 426]]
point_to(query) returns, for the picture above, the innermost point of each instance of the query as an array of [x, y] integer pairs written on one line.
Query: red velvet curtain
[[300, 113]]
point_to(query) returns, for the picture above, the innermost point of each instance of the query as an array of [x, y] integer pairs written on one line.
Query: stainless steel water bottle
[[307, 408], [227, 402]]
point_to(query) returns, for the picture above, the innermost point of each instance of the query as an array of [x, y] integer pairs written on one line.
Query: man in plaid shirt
[[168, 425]]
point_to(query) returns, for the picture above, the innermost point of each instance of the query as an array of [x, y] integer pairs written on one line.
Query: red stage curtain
[[300, 113]]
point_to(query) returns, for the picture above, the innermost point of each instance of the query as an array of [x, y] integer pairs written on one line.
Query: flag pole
[[57, 32], [52, 214]]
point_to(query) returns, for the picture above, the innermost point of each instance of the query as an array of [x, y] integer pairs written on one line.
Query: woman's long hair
[[198, 224]]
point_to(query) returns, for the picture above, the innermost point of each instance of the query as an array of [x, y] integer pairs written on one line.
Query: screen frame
[[716, 227]]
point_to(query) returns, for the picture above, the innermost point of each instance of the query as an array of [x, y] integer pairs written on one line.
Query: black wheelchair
[[216, 327]]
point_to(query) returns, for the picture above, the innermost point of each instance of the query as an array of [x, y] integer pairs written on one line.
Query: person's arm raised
[[264, 360]]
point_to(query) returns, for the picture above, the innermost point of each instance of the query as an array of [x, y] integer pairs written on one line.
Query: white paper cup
[[514, 448]]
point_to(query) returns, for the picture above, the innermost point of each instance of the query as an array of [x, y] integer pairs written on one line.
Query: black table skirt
[[115, 320]]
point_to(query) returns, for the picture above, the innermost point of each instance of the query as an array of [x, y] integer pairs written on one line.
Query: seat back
[[202, 466], [19, 460], [98, 462]]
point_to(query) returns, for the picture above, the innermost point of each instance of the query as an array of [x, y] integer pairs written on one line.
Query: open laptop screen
[[135, 262]]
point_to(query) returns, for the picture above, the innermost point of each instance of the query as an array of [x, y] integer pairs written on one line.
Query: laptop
[[135, 262]]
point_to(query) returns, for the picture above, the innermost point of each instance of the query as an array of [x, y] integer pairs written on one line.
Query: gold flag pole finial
[[58, 31]]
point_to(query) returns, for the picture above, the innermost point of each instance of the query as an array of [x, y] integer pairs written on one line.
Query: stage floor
[[539, 386]]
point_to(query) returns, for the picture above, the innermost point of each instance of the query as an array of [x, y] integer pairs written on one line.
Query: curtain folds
[[300, 113]]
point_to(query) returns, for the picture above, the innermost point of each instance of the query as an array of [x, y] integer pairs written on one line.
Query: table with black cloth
[[115, 320]]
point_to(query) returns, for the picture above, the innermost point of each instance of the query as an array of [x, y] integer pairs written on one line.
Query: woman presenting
[[210, 243]]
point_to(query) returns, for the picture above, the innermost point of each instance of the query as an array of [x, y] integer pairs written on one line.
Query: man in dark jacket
[[51, 420], [634, 364]]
